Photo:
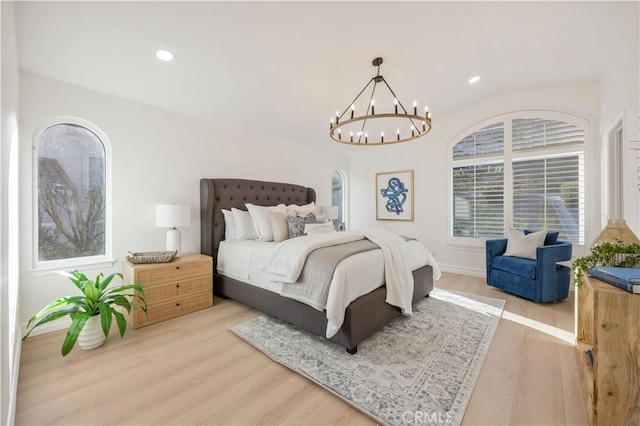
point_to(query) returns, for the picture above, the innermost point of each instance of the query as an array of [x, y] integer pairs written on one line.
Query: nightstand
[[172, 289]]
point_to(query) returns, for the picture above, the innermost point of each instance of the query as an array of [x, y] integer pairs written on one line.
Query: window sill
[[53, 269]]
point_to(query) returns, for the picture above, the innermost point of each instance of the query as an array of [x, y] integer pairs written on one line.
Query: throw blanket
[[312, 286], [288, 260], [397, 273]]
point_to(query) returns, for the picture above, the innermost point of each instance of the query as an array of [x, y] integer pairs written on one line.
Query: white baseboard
[[59, 324], [456, 269]]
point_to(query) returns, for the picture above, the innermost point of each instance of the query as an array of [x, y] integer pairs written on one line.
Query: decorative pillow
[[295, 224], [279, 226], [262, 221], [296, 210], [318, 228], [245, 230], [550, 239], [521, 245], [229, 225]]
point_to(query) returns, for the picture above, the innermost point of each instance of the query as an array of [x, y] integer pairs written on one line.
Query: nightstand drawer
[[173, 272], [172, 291], [165, 311]]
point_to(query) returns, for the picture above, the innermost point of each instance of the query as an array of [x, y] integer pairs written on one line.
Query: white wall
[[158, 157], [620, 91], [9, 347], [429, 158]]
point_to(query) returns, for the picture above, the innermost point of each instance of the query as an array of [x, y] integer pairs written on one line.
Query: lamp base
[[174, 241]]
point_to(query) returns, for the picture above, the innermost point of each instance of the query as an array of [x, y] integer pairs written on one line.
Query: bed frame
[[363, 316]]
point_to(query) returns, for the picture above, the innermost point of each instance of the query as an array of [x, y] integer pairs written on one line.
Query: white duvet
[[267, 265]]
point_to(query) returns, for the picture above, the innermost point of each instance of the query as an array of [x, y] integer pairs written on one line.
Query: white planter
[[91, 335]]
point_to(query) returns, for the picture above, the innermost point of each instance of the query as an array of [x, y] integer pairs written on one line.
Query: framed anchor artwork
[[394, 195]]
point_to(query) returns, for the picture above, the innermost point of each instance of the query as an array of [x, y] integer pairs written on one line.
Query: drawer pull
[[177, 304], [177, 285], [177, 267]]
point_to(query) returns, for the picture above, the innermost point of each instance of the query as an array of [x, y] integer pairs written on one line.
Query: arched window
[[338, 198], [524, 170], [72, 180]]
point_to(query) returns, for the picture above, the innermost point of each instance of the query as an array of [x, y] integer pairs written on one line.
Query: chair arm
[[554, 253], [494, 248]]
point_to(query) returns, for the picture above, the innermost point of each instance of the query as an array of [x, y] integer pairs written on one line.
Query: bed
[[363, 317]]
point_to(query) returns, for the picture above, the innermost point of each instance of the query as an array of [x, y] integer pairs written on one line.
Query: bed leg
[[353, 350]]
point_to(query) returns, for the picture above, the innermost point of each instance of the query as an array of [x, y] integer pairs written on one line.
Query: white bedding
[[354, 277]]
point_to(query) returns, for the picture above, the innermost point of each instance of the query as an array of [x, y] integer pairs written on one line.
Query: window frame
[[508, 157], [87, 262], [343, 206]]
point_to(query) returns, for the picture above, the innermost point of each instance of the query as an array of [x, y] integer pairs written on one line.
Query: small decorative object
[[173, 216], [92, 312], [361, 124], [616, 230], [151, 256], [394, 195], [616, 254]]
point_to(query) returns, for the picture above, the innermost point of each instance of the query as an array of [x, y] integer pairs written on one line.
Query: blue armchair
[[541, 280]]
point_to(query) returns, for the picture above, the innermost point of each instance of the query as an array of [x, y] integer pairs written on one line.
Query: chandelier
[[387, 126]]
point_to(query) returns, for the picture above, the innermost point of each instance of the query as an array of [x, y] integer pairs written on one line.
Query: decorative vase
[[91, 335], [616, 230]]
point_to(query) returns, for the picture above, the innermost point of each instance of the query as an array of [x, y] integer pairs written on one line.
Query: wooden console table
[[608, 321]]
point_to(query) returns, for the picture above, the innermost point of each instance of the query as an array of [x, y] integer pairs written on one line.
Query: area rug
[[419, 369]]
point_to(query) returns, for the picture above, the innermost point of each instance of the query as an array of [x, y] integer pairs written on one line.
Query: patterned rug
[[417, 370]]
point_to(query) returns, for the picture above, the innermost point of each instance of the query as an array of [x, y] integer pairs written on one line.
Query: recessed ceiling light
[[474, 79], [164, 55]]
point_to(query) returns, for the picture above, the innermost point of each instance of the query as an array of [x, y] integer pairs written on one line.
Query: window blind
[[534, 133], [478, 200], [486, 141], [546, 195]]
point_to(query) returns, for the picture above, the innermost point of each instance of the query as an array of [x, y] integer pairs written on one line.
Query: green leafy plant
[[96, 299], [616, 254]]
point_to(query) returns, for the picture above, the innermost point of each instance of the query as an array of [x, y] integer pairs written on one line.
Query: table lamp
[[173, 216]]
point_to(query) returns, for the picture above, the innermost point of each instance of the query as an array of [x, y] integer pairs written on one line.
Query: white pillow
[[229, 225], [296, 210], [262, 221], [245, 230], [318, 228], [521, 245], [279, 226]]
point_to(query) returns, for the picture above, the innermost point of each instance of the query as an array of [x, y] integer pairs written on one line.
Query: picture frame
[[394, 195]]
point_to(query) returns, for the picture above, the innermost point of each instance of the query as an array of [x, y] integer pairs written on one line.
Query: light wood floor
[[192, 370]]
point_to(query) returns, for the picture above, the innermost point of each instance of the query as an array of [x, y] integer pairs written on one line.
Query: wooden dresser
[[608, 324], [172, 289]]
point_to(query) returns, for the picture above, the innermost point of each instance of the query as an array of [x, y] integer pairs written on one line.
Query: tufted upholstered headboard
[[218, 194]]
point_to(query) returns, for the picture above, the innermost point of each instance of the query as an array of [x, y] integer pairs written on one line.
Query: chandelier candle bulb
[[395, 105], [426, 111], [353, 107], [381, 136], [415, 108], [424, 126], [337, 117], [373, 107], [398, 134], [351, 136], [366, 138], [429, 115]]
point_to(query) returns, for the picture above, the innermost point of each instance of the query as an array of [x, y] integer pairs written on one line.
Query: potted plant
[[617, 254], [92, 313]]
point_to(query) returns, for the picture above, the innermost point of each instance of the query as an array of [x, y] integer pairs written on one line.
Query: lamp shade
[[173, 215], [331, 212]]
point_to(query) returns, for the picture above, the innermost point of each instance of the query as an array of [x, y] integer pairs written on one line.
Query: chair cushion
[[550, 239], [516, 265]]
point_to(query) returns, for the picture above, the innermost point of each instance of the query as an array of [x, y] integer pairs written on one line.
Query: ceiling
[[284, 68]]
